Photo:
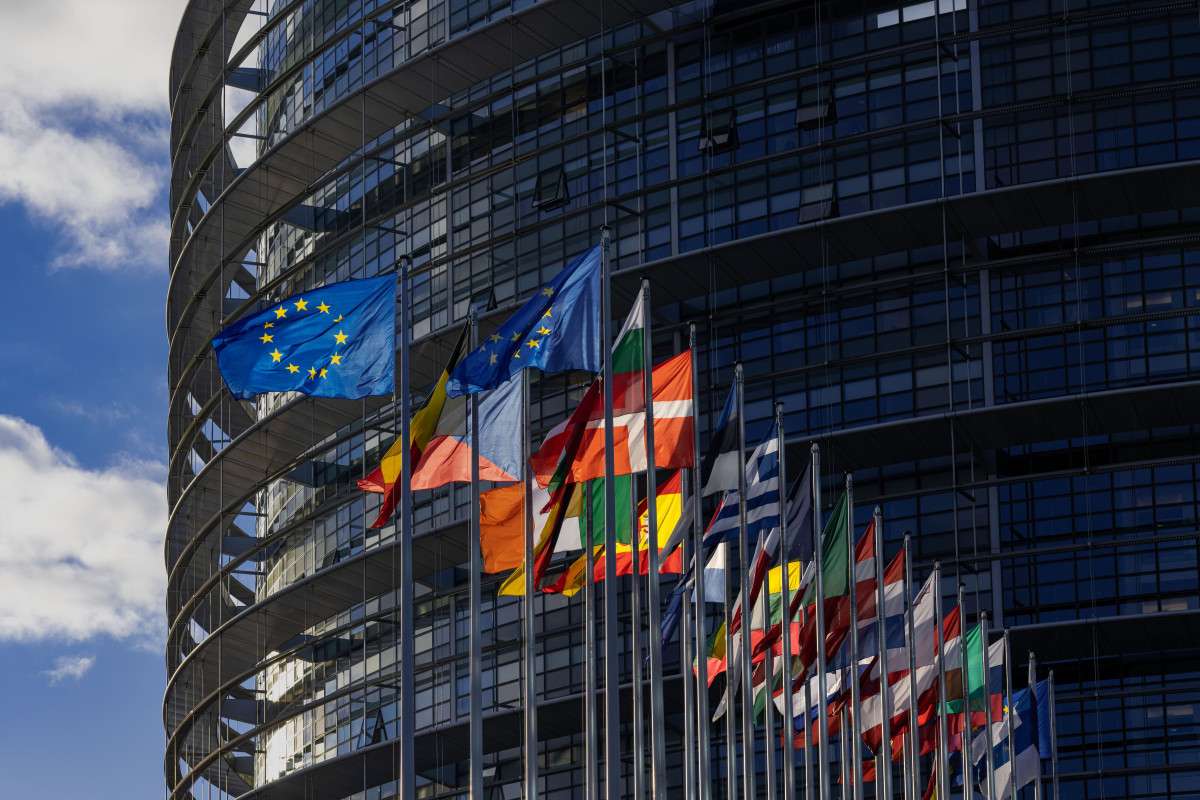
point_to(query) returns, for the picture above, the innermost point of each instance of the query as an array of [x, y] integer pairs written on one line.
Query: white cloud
[[84, 124], [80, 549], [73, 667]]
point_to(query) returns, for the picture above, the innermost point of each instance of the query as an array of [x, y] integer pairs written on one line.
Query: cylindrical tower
[[958, 239]]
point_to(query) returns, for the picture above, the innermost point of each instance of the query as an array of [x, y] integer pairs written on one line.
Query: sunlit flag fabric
[[718, 471], [448, 456], [558, 329], [386, 477], [336, 341]]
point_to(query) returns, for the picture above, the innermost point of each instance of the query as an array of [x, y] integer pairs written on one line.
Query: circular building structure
[[959, 240]]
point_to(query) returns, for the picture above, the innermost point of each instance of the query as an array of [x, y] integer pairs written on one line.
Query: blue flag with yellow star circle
[[558, 329], [336, 341]]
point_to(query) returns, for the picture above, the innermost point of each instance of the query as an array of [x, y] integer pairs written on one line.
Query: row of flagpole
[[697, 770]]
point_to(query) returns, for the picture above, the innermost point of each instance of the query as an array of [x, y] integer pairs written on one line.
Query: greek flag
[[762, 492]]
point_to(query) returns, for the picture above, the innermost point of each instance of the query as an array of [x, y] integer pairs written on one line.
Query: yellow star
[[323, 372], [341, 337], [543, 330], [491, 359], [516, 337], [302, 305], [495, 337], [340, 317], [280, 312], [534, 343], [293, 368], [336, 359], [547, 312], [548, 291], [324, 309], [266, 337], [269, 325], [312, 373], [517, 354], [276, 355]]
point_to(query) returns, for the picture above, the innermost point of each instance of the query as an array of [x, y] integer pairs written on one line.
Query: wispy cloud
[[84, 125], [73, 667], [80, 549]]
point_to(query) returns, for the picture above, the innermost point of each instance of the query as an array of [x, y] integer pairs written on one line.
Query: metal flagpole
[[690, 745], [844, 744], [476, 677], [530, 653], [589, 599], [883, 769], [785, 598], [942, 769], [612, 642], [703, 723], [1053, 740], [635, 642], [730, 736], [854, 732], [807, 721], [768, 685], [1032, 680], [913, 785], [748, 743], [1008, 715], [967, 739], [408, 696], [969, 758], [823, 768], [658, 746]]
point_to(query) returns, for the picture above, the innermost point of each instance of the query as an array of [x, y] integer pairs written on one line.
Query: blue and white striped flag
[[762, 491]]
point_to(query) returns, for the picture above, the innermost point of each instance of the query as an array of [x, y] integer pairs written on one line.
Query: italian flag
[[672, 416]]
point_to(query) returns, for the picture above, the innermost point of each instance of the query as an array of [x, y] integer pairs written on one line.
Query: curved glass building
[[958, 239]]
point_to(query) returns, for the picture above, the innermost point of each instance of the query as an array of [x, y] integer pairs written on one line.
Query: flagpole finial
[[605, 228], [815, 448], [878, 510]]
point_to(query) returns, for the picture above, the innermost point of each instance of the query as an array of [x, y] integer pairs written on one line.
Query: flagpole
[[785, 606], [690, 744], [658, 746], [914, 738], [635, 644], [769, 682], [589, 599], [1032, 681], [942, 770], [855, 699], [883, 772], [531, 748], [612, 666], [844, 744], [1053, 739], [408, 708], [704, 771], [823, 768], [967, 741], [748, 743], [1008, 716], [806, 722], [987, 716], [730, 736], [476, 660]]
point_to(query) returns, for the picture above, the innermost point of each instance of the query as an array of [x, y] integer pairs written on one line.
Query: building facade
[[958, 239]]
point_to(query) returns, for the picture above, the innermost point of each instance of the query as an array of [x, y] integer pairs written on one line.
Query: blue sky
[[83, 394]]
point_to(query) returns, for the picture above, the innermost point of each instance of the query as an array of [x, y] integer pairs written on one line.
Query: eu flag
[[336, 341], [558, 329]]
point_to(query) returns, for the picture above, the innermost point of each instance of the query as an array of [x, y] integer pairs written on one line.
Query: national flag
[[672, 416], [556, 330], [762, 491], [718, 471], [798, 544], [335, 341], [1017, 763], [448, 456], [502, 527], [564, 503], [386, 477]]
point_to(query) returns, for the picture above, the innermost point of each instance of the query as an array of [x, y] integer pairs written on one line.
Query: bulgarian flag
[[672, 416]]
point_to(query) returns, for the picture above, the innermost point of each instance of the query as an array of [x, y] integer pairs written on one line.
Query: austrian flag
[[672, 384]]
